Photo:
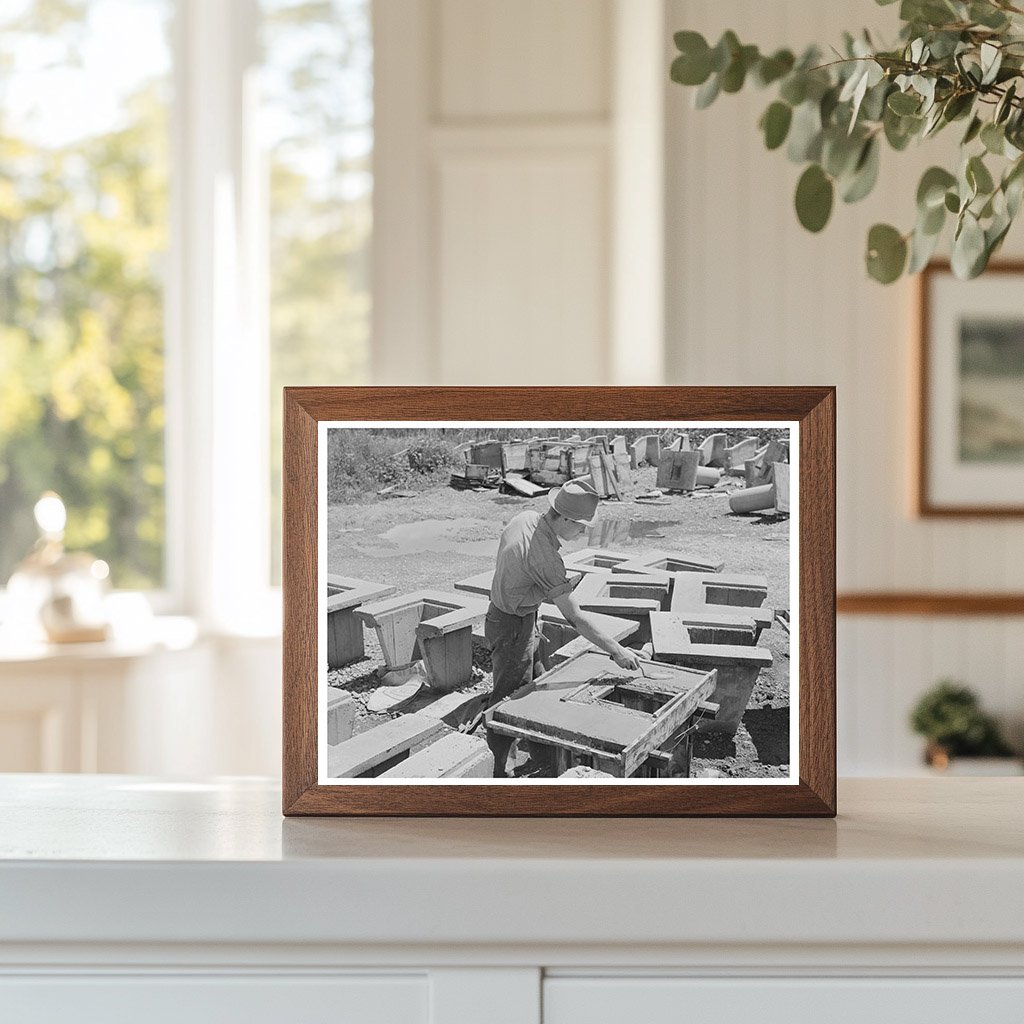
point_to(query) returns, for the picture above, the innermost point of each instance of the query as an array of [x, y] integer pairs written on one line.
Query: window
[[83, 236], [317, 116], [199, 164]]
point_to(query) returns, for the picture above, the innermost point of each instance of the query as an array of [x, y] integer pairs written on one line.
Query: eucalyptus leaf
[[886, 253], [771, 69], [931, 190], [693, 65], [978, 176], [724, 51], [1004, 106], [972, 132], [865, 174], [814, 194], [968, 247], [794, 88], [922, 248], [952, 202], [993, 138], [904, 103], [991, 60], [805, 133], [707, 93], [775, 122]]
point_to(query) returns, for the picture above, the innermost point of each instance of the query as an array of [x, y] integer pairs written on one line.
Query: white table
[[197, 902]]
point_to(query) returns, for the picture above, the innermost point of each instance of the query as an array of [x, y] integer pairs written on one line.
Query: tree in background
[[82, 230]]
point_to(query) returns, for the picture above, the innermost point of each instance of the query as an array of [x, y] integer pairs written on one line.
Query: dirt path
[[443, 535]]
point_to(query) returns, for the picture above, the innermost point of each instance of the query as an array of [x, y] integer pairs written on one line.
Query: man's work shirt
[[529, 569]]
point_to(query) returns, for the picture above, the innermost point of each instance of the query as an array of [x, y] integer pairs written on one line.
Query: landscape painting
[[530, 603], [992, 389]]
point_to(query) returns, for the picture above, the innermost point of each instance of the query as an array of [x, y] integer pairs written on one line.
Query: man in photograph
[[529, 572]]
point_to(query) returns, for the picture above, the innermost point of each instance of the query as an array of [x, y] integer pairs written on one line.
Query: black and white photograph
[[580, 602]]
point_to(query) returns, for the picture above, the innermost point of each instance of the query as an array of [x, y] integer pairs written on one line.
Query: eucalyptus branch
[[833, 117]]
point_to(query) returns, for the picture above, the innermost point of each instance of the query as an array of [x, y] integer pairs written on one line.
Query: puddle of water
[[622, 532], [465, 536]]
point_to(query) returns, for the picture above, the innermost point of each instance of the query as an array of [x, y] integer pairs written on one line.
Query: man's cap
[[576, 500]]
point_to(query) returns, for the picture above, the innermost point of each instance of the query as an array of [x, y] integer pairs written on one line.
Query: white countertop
[[124, 859]]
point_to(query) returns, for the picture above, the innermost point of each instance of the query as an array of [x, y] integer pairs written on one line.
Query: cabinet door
[[206, 999], [569, 1000]]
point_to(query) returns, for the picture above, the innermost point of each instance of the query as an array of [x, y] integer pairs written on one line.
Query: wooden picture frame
[[310, 412], [969, 448]]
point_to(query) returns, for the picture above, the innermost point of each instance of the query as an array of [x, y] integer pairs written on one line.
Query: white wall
[[510, 253], [754, 299]]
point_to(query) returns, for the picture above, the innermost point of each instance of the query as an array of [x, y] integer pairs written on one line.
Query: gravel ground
[[442, 535]]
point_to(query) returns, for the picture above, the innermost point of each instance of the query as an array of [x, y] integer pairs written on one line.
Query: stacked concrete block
[[344, 631], [435, 626], [627, 596], [341, 715]]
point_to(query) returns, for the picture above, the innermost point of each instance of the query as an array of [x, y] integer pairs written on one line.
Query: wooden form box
[[590, 712], [733, 590], [652, 563], [722, 627], [595, 560], [627, 596], [436, 625], [344, 631], [692, 592], [737, 668]]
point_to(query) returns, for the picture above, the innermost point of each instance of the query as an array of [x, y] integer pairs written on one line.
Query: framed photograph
[[559, 601], [970, 450]]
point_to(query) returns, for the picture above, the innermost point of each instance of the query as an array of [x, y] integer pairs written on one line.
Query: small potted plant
[[950, 717]]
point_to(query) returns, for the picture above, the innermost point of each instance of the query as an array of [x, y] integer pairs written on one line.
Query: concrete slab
[[780, 482], [677, 471], [455, 756], [374, 751]]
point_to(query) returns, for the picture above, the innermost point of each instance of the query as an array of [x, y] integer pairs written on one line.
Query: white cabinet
[[202, 999], [131, 898], [824, 1000]]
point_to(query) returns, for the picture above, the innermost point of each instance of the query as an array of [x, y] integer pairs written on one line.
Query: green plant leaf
[[991, 60], [978, 176], [987, 15], [968, 248], [922, 247], [886, 254], [707, 93], [1004, 106], [931, 191], [952, 202], [814, 195], [775, 124], [993, 138], [794, 88], [865, 173], [973, 129], [771, 69], [805, 133], [725, 50], [904, 103]]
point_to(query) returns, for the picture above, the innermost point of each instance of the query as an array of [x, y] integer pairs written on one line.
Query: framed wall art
[[559, 601], [970, 444]]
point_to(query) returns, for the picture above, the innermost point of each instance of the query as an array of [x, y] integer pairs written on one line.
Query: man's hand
[[625, 658]]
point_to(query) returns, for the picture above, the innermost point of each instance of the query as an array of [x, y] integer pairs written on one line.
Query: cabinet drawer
[[570, 1000], [205, 999]]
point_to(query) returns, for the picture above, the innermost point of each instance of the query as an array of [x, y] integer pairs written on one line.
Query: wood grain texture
[[812, 407], [923, 504], [925, 603]]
